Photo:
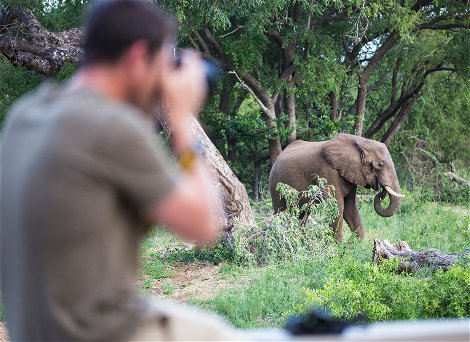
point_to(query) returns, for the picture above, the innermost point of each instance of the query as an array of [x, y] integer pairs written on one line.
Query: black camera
[[211, 69]]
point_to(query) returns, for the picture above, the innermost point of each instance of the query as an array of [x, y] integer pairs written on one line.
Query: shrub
[[355, 288], [277, 237], [283, 236]]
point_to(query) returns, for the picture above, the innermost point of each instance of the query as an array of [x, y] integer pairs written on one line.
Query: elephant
[[345, 162]]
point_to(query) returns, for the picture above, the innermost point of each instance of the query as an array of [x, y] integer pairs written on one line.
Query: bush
[[214, 254], [283, 236], [277, 237], [390, 296]]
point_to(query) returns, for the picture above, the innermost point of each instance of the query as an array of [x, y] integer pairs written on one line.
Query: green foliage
[[268, 297], [275, 238], [422, 165], [283, 236], [341, 277], [153, 267], [168, 288], [14, 82], [216, 254], [389, 295]]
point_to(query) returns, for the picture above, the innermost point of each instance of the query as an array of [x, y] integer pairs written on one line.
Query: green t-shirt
[[78, 173]]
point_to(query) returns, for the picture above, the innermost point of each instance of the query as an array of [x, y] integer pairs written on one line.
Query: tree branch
[[428, 26], [393, 108], [24, 41], [394, 80], [244, 85], [202, 44], [214, 42]]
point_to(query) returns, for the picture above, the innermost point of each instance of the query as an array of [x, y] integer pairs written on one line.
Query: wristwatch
[[187, 159]]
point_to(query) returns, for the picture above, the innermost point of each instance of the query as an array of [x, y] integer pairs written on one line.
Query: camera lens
[[211, 69]]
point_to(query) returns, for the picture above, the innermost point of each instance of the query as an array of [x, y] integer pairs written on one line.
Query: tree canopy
[[297, 69]]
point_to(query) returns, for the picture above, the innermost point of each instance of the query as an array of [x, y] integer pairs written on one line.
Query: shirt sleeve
[[137, 163]]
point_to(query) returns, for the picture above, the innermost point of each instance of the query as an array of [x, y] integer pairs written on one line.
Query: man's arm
[[190, 210]]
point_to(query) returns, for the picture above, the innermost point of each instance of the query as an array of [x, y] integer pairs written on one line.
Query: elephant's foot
[[359, 231]]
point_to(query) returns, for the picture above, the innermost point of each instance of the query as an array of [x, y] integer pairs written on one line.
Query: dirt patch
[[190, 281]]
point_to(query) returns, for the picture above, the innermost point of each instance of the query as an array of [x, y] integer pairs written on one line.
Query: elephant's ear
[[347, 153]]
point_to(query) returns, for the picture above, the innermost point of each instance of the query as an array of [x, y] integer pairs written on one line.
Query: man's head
[[134, 37]]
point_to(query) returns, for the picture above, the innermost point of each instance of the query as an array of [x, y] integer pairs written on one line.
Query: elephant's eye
[[381, 164]]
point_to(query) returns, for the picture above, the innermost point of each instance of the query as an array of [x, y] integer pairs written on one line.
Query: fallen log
[[456, 178], [411, 261]]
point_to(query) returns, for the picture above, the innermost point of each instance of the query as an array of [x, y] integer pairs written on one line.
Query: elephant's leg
[[337, 225], [351, 214]]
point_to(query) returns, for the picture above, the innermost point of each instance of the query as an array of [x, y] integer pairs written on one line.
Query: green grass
[[342, 277], [349, 285], [154, 263], [344, 281]]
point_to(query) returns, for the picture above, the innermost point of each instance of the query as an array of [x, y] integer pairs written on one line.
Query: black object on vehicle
[[318, 322]]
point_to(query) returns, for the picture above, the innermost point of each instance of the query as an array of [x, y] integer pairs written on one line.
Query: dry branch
[[453, 177], [411, 261]]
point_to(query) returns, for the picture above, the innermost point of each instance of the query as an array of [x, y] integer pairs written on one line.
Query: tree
[[282, 50], [24, 41], [313, 69]]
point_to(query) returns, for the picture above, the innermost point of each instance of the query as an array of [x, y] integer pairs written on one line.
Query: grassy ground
[[344, 281], [341, 279]]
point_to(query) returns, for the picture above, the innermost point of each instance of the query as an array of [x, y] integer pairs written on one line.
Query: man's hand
[[191, 209], [186, 87]]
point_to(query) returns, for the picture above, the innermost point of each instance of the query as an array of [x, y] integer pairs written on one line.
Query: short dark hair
[[112, 26]]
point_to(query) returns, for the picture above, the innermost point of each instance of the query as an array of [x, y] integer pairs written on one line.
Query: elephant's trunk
[[395, 199]]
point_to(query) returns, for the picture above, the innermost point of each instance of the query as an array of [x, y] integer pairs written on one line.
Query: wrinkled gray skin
[[345, 162]]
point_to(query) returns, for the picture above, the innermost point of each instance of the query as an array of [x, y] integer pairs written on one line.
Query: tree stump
[[411, 261]]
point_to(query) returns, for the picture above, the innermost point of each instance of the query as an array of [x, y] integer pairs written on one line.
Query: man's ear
[[136, 54]]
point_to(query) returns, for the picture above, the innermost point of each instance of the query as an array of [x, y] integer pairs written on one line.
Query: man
[[82, 177]]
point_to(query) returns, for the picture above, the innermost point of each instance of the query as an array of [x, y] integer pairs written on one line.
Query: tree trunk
[[235, 202], [411, 261], [360, 104], [256, 188], [398, 122], [290, 110], [274, 141], [334, 103], [232, 152], [24, 41]]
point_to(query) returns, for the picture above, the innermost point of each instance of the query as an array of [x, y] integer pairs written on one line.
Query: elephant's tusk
[[391, 192]]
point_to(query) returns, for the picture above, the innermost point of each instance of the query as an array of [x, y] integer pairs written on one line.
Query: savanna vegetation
[[393, 71]]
